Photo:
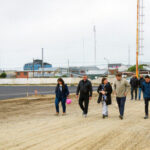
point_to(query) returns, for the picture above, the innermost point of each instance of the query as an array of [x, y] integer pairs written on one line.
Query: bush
[[3, 75], [133, 68]]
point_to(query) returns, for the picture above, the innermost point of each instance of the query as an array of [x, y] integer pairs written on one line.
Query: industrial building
[[36, 65]]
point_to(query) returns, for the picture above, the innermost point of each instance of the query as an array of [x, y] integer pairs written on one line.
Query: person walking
[[62, 92], [134, 86], [141, 80], [85, 90], [120, 89], [146, 92], [104, 90]]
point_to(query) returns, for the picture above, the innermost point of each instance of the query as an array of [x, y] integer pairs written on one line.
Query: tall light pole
[[94, 30], [107, 64], [42, 62], [129, 56], [137, 40]]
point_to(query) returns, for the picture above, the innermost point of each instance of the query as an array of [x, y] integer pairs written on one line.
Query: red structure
[[22, 74]]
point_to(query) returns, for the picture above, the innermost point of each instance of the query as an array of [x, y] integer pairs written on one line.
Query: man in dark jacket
[[146, 91], [85, 90], [141, 80], [134, 86]]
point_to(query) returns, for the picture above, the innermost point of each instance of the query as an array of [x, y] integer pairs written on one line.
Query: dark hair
[[146, 76], [103, 79], [62, 81], [119, 74]]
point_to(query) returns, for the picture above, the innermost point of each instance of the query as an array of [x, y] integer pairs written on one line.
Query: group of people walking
[[120, 87]]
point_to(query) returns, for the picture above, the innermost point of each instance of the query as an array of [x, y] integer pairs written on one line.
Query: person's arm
[[91, 89], [56, 90], [131, 80], [137, 83], [67, 91], [127, 85], [114, 86], [99, 89], [142, 86], [78, 89], [109, 90]]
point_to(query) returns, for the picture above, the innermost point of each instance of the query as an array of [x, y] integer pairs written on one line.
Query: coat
[[108, 90], [85, 88], [146, 89], [62, 94], [134, 82]]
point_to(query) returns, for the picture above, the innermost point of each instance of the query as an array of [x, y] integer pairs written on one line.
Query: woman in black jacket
[[105, 90], [62, 92]]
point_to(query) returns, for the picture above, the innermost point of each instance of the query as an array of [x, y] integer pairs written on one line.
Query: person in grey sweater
[[120, 89]]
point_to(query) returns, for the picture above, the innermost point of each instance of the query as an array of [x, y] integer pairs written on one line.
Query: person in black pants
[[134, 86], [146, 91], [85, 90]]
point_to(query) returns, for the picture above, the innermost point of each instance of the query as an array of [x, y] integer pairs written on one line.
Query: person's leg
[[146, 107], [63, 103], [135, 93], [131, 93], [86, 104], [81, 99], [122, 105], [118, 102], [57, 105], [105, 109], [140, 90]]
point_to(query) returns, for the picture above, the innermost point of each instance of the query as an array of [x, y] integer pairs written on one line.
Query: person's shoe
[[85, 115], [103, 116], [121, 117], [146, 117], [63, 114], [106, 116], [57, 114]]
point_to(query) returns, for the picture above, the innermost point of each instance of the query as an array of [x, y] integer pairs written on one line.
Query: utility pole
[[137, 40], [83, 53], [107, 65], [42, 62], [33, 67], [68, 68], [141, 26], [129, 56], [94, 30]]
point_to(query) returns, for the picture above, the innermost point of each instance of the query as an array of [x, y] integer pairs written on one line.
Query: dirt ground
[[32, 125]]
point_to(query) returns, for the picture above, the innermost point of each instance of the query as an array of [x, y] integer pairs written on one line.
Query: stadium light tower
[[137, 40], [139, 33], [94, 30]]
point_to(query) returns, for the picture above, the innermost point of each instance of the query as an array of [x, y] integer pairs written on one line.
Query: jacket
[[134, 82], [141, 80], [121, 87], [85, 88], [146, 89], [108, 90], [62, 94]]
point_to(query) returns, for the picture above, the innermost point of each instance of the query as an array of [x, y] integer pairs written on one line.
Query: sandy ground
[[31, 125]]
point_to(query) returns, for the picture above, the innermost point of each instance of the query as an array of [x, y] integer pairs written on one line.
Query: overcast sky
[[61, 26]]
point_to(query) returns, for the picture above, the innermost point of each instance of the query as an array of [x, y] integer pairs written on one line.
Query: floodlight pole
[[137, 40]]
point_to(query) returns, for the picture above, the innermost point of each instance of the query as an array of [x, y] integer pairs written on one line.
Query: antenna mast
[[94, 30]]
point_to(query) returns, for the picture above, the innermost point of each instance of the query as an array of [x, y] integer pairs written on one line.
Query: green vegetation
[[133, 68], [3, 75]]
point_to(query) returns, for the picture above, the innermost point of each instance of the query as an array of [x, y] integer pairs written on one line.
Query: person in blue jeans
[[146, 92], [62, 92], [141, 80], [120, 89]]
